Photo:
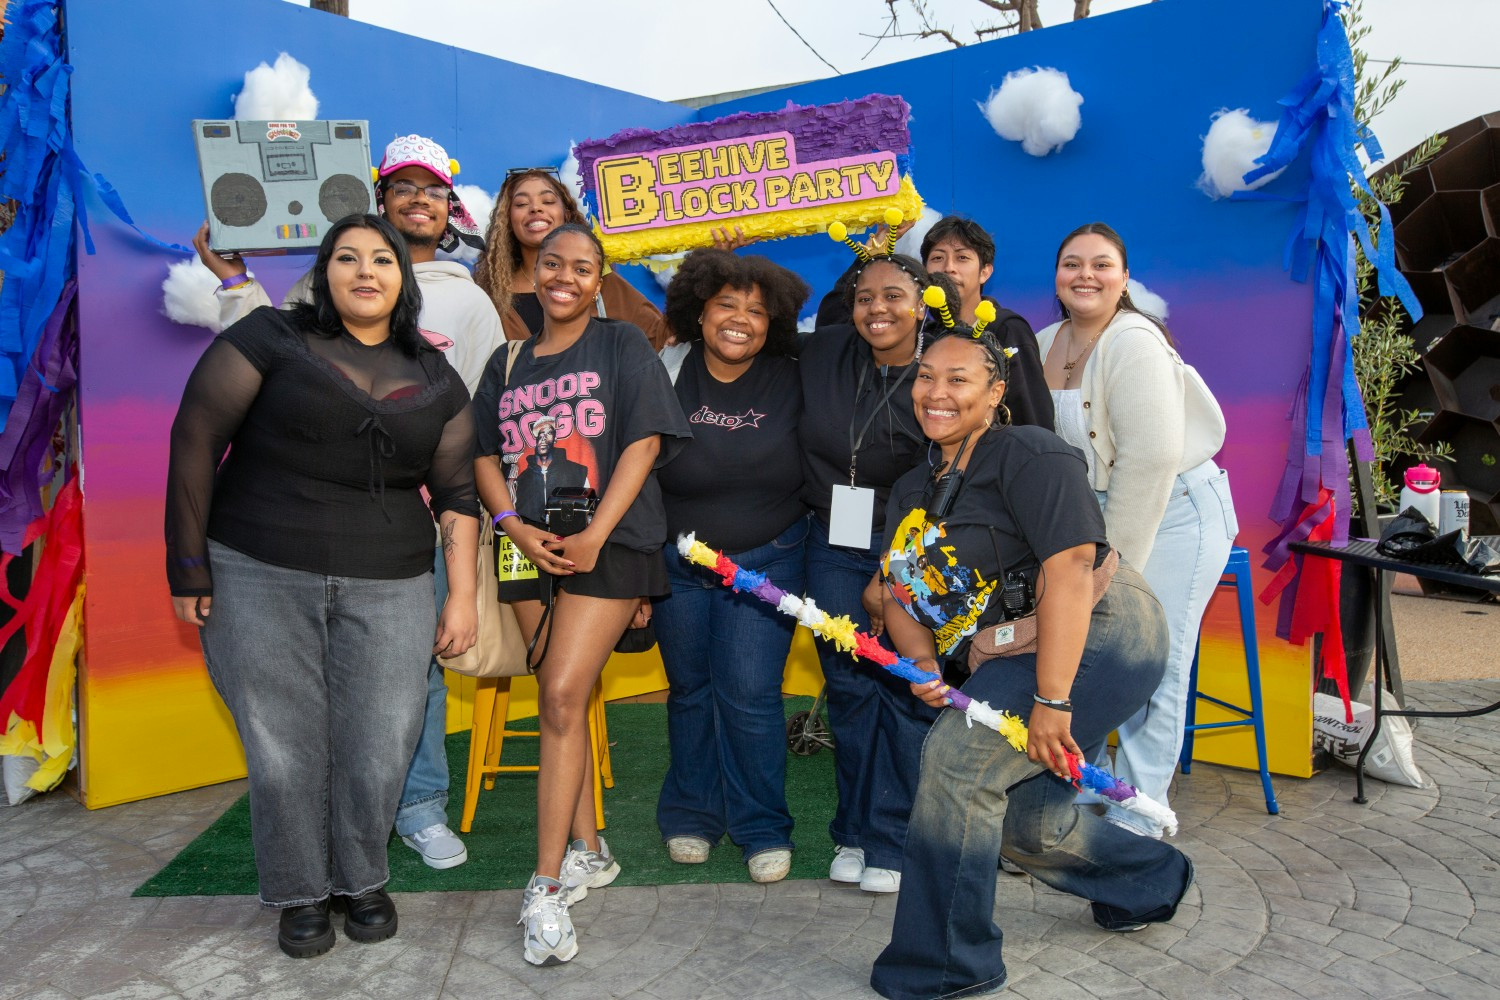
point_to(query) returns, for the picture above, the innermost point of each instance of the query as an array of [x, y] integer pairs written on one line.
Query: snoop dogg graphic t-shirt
[[1025, 497], [564, 420], [736, 484]]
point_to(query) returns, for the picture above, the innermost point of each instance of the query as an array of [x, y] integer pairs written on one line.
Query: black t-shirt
[[737, 484], [332, 441], [601, 395], [1026, 394], [844, 391], [1025, 497]]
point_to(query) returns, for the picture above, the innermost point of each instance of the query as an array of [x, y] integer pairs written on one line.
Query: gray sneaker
[[550, 938], [583, 869]]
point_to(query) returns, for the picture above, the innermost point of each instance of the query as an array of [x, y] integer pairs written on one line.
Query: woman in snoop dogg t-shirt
[[590, 393], [736, 486]]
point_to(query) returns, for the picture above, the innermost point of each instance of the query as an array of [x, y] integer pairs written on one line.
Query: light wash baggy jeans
[[1192, 545], [424, 796], [325, 677]]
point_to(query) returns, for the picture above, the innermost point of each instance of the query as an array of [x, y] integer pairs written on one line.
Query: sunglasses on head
[[515, 171]]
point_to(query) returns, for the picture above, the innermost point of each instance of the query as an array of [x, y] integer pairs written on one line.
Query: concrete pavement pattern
[[1400, 898]]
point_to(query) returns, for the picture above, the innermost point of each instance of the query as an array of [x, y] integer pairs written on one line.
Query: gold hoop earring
[[1003, 412]]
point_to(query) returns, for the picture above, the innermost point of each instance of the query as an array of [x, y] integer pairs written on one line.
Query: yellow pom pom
[[374, 175], [838, 232], [452, 168], [934, 297], [893, 217], [985, 311]]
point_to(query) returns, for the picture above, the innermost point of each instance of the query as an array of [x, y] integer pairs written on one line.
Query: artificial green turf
[[502, 844]]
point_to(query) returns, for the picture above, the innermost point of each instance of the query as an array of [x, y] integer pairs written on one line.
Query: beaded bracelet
[[1061, 704]]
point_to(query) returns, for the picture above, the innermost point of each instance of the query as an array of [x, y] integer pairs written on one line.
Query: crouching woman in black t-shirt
[[304, 556], [736, 485], [1008, 504], [594, 392]]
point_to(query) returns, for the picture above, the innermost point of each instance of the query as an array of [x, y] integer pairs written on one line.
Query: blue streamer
[[46, 178], [1318, 115]]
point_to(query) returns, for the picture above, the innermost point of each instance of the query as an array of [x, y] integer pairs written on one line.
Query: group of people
[[927, 470]]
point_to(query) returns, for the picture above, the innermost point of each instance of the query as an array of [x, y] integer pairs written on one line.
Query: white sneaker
[[439, 846], [770, 866], [848, 864], [880, 880], [550, 939], [688, 850], [583, 869]]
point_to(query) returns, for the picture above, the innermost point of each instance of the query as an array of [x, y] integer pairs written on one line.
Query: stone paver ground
[[1400, 898]]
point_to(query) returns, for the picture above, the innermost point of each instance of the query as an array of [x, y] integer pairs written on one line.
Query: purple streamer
[[43, 396]]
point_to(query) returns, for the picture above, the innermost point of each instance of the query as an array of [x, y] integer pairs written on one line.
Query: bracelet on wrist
[[235, 281], [1060, 704], [502, 516]]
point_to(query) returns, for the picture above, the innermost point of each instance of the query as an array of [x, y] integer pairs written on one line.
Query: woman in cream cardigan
[[1149, 429]]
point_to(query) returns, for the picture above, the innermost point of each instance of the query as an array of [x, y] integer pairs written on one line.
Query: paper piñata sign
[[771, 173]]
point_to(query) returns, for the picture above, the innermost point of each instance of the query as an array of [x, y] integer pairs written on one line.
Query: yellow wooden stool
[[487, 739]]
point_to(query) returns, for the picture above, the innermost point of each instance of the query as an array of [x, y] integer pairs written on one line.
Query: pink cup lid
[[1423, 478]]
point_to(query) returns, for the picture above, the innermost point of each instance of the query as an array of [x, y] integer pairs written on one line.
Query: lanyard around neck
[[857, 439]]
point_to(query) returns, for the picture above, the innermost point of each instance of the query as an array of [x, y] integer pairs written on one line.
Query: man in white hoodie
[[415, 193]]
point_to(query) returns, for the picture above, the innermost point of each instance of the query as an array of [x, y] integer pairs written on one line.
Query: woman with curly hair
[[532, 202], [737, 485]]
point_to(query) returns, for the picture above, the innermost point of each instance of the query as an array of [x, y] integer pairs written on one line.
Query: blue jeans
[[324, 676], [1192, 545], [424, 797], [877, 725], [725, 655], [979, 797]]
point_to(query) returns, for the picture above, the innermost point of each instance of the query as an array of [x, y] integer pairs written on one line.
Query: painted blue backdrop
[[1151, 78]]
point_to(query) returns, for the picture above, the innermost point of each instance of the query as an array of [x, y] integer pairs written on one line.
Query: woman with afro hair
[[737, 485]]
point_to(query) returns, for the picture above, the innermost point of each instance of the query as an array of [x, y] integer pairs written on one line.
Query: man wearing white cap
[[415, 193]]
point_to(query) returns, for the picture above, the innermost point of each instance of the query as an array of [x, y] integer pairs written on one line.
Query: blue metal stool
[[1237, 575]]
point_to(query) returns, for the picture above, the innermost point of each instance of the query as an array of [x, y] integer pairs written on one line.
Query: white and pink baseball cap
[[417, 151]]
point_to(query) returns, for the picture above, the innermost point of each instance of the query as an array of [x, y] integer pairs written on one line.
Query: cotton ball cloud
[[1037, 108], [911, 243], [278, 92], [187, 295], [479, 202], [1233, 144], [1146, 300], [807, 324]]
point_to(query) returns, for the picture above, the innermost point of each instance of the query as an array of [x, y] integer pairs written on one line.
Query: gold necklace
[[1068, 366]]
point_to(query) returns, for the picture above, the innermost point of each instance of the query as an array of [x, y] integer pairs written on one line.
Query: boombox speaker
[[276, 187]]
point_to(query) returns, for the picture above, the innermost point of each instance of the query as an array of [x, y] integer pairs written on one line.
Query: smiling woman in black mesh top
[[304, 554]]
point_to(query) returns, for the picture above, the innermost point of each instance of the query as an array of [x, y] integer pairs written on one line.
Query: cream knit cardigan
[[1149, 418]]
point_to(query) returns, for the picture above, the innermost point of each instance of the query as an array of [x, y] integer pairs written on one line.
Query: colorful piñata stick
[[842, 633]]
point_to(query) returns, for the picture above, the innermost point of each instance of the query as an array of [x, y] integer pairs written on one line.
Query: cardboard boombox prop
[[275, 187]]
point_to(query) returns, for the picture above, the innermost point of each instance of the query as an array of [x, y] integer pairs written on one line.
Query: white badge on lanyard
[[849, 516]]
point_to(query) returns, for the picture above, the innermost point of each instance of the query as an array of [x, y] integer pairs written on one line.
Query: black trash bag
[[1483, 554], [1412, 538]]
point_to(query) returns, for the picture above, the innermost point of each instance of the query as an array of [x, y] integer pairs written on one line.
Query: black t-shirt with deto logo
[[736, 484]]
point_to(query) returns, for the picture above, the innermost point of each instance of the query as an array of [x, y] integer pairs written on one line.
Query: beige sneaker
[[770, 866], [688, 850]]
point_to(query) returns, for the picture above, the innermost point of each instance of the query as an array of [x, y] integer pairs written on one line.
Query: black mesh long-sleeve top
[[329, 443]]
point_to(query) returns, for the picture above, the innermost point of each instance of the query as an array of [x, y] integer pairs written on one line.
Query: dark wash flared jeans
[[977, 796]]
